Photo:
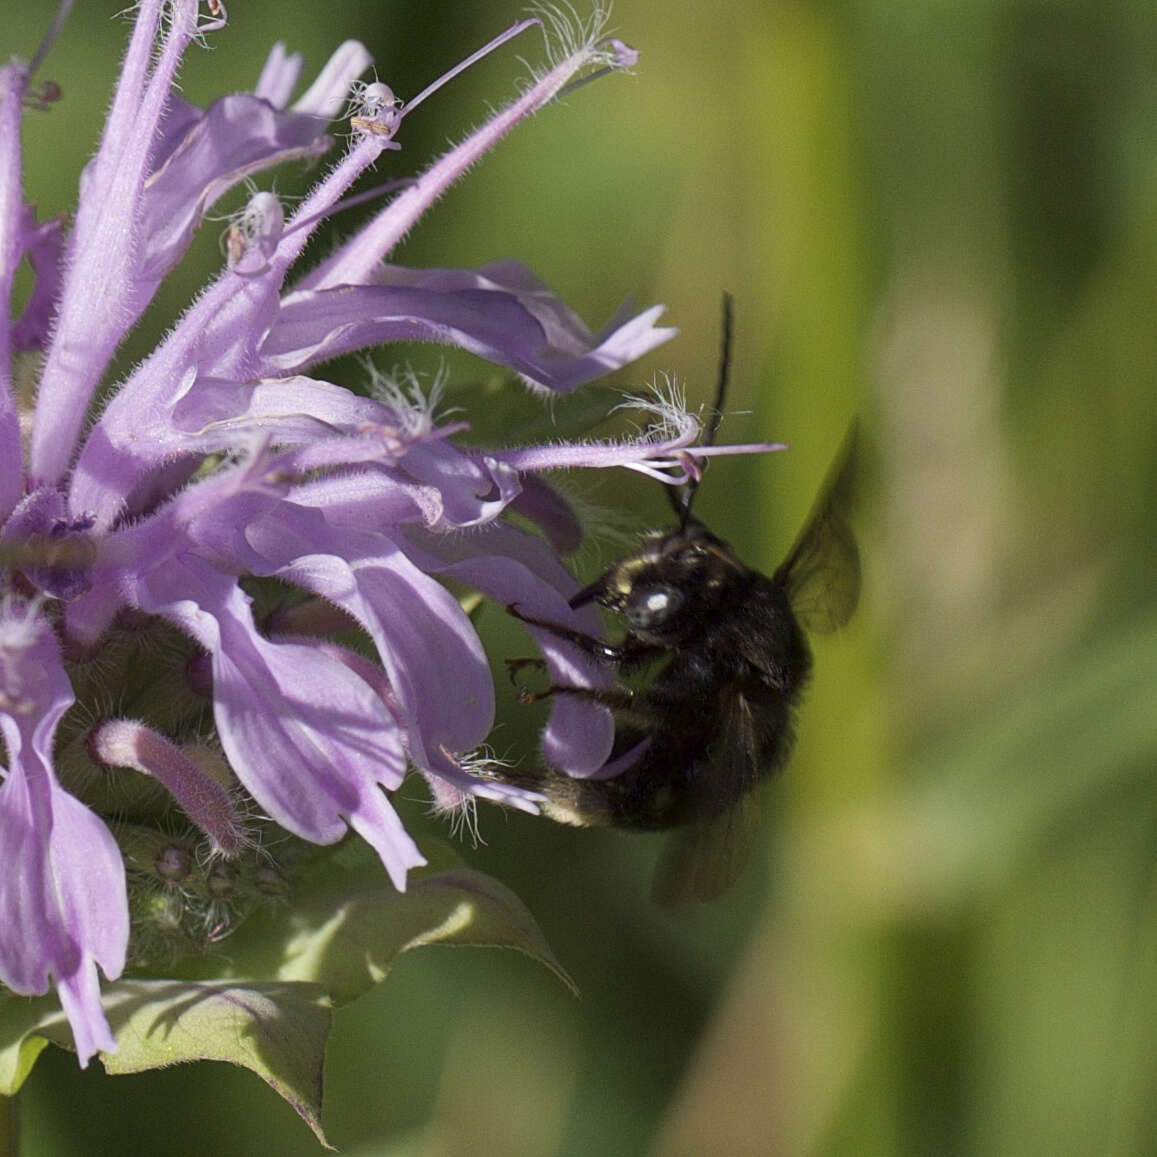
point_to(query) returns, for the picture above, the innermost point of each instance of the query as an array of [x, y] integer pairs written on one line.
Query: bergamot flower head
[[158, 724]]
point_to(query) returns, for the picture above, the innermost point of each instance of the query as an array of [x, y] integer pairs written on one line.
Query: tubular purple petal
[[419, 629], [13, 81], [354, 262], [65, 891], [311, 741], [512, 567], [501, 312], [98, 281], [44, 248], [326, 96], [279, 76], [236, 136]]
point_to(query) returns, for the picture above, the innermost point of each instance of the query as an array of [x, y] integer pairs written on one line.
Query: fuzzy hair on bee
[[723, 653]]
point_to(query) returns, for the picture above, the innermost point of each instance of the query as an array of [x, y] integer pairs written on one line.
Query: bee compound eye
[[651, 606]]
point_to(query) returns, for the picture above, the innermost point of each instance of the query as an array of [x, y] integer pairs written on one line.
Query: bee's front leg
[[596, 648], [617, 697]]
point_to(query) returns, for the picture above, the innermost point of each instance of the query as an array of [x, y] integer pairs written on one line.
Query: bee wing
[[703, 859], [821, 574]]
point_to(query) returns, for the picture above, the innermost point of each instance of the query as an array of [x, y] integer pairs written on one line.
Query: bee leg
[[617, 697], [596, 648]]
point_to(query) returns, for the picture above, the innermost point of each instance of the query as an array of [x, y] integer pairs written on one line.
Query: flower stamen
[[513, 31]]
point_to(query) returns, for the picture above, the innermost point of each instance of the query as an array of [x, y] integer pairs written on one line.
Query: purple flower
[[62, 895], [131, 538]]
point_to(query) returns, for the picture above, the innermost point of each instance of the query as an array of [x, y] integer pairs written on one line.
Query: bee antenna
[[724, 371], [682, 500]]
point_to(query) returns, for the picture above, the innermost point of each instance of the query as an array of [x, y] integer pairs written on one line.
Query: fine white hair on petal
[[459, 803], [666, 404], [464, 822], [402, 390], [460, 808], [567, 33]]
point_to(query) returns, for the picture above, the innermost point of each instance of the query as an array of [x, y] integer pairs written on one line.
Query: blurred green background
[[942, 216]]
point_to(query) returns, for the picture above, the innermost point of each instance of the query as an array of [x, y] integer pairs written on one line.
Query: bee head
[[667, 590], [668, 587]]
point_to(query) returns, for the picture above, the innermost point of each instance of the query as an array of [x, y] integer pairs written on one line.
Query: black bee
[[716, 718]]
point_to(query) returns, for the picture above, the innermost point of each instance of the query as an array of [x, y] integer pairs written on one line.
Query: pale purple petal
[[326, 97], [500, 312], [67, 897], [235, 136], [372, 499], [311, 741], [417, 626], [88, 617], [549, 509], [279, 76], [44, 250], [34, 515], [512, 567], [68, 900], [453, 779], [471, 492], [355, 262], [13, 80], [422, 636], [98, 283], [215, 415]]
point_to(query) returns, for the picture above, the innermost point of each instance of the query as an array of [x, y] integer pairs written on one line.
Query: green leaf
[[346, 931], [271, 1013], [278, 1030], [24, 1028]]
